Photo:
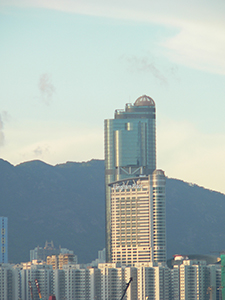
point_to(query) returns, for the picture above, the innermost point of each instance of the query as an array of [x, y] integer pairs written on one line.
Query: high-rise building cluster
[[135, 233], [136, 204], [188, 279], [41, 253]]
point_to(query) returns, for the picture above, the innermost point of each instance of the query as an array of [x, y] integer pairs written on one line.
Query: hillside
[[65, 203]]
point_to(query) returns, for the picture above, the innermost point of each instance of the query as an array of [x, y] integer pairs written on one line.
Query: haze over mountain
[[65, 203]]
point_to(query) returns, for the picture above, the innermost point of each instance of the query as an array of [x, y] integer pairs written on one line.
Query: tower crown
[[144, 101]]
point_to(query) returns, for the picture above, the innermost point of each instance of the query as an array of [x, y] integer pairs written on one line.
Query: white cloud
[[199, 41], [200, 46], [188, 154]]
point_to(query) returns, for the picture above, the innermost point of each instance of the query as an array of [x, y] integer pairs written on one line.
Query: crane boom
[[38, 288], [31, 291], [127, 286]]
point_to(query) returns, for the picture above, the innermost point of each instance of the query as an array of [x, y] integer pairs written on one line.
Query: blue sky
[[67, 65]]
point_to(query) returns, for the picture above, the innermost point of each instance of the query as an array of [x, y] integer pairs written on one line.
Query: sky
[[66, 65]]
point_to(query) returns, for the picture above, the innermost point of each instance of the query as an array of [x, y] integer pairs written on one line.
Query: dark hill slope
[[195, 219], [65, 203]]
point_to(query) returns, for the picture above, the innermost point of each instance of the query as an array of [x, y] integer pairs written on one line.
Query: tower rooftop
[[144, 101]]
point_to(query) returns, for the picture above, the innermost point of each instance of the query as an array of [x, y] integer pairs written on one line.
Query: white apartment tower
[[40, 271], [153, 283], [77, 283], [194, 280], [6, 282]]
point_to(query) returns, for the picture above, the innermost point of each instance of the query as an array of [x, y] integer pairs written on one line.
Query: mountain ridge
[[65, 203]]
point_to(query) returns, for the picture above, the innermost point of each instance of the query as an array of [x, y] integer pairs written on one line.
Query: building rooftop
[[144, 101]]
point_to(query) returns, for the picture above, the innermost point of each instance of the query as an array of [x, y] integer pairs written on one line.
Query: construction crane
[[210, 292], [31, 291], [38, 288], [127, 286]]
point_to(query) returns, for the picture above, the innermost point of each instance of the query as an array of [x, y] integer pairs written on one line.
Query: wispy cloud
[[199, 41], [46, 88], [2, 137], [39, 151], [4, 117], [200, 46], [137, 64]]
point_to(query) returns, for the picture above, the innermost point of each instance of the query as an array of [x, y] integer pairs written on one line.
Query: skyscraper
[[130, 149], [138, 223], [4, 240]]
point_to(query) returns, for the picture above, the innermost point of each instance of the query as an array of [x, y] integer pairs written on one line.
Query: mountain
[[65, 203], [195, 219]]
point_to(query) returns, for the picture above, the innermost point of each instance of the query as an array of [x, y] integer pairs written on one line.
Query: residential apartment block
[[190, 280]]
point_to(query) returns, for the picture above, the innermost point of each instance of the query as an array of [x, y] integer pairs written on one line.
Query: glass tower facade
[[130, 149]]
